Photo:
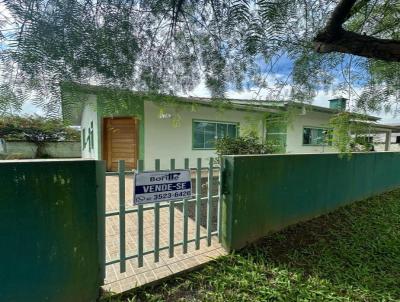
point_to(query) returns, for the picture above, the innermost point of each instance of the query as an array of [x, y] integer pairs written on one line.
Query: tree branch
[[340, 14], [333, 38], [360, 45]]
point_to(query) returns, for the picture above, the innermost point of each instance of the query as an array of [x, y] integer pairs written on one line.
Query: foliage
[[9, 101], [249, 144], [169, 46], [352, 254], [112, 100], [36, 129], [346, 131], [341, 133]]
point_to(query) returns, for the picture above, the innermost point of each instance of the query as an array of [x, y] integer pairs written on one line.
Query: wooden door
[[120, 141]]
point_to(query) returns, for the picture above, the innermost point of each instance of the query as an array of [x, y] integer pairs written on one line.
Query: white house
[[379, 139], [127, 125]]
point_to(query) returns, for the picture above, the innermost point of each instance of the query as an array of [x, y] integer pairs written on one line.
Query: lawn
[[352, 254]]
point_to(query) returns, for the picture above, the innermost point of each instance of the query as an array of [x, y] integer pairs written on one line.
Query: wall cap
[[46, 160], [305, 154]]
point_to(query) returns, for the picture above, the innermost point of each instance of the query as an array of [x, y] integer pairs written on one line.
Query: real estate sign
[[160, 186]]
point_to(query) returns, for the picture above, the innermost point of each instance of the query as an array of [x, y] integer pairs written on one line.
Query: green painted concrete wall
[[49, 230], [263, 194]]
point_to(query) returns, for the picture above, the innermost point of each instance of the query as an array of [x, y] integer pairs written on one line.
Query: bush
[[36, 129], [243, 145]]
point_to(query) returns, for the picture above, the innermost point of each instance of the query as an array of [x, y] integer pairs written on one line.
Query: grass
[[352, 254]]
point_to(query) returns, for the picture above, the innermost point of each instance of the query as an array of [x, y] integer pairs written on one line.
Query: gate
[[199, 216]]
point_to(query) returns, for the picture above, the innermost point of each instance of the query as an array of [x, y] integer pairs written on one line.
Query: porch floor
[[150, 272]]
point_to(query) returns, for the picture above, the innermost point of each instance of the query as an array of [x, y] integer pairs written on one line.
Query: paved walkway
[[151, 271]]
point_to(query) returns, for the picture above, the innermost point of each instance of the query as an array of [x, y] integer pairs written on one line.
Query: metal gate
[[206, 193]]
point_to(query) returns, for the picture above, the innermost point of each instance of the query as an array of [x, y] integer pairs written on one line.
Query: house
[[118, 124], [379, 139]]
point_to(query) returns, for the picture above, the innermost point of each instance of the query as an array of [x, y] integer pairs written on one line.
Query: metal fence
[[212, 194]]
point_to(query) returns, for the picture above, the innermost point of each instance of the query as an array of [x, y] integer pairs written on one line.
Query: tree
[[37, 130], [10, 103], [335, 38], [285, 48]]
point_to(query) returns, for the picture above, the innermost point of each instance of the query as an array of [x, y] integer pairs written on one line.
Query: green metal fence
[[266, 193], [49, 230], [200, 172]]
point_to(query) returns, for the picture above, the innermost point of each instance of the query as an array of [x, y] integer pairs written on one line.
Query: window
[[398, 139], [205, 133], [276, 135], [316, 136]]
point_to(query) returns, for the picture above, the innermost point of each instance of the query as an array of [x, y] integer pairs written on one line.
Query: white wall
[[164, 141], [62, 149], [295, 132], [89, 115], [381, 138], [392, 147], [22, 149]]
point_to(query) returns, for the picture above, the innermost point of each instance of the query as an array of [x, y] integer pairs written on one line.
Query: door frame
[[104, 135]]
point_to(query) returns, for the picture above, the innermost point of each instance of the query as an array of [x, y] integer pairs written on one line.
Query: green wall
[[49, 230], [263, 194]]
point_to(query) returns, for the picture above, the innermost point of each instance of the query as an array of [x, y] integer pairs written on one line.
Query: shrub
[[243, 145], [37, 130]]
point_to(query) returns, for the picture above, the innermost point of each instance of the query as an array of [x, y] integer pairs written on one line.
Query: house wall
[[166, 138], [163, 140], [392, 147], [295, 132], [90, 122], [381, 138]]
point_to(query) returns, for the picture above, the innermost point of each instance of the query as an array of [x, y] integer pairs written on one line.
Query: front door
[[120, 141]]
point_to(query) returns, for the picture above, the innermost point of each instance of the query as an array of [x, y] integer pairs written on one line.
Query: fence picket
[[221, 169], [122, 228], [198, 203], [140, 168], [157, 222], [185, 217], [171, 219], [209, 199]]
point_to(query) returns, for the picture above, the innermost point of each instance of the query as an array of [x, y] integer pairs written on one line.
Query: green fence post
[[209, 199], [157, 222], [140, 168], [220, 180], [121, 182], [198, 203], [101, 211], [185, 215], [171, 218]]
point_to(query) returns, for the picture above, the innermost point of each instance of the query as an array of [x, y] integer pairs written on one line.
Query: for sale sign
[[160, 186]]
